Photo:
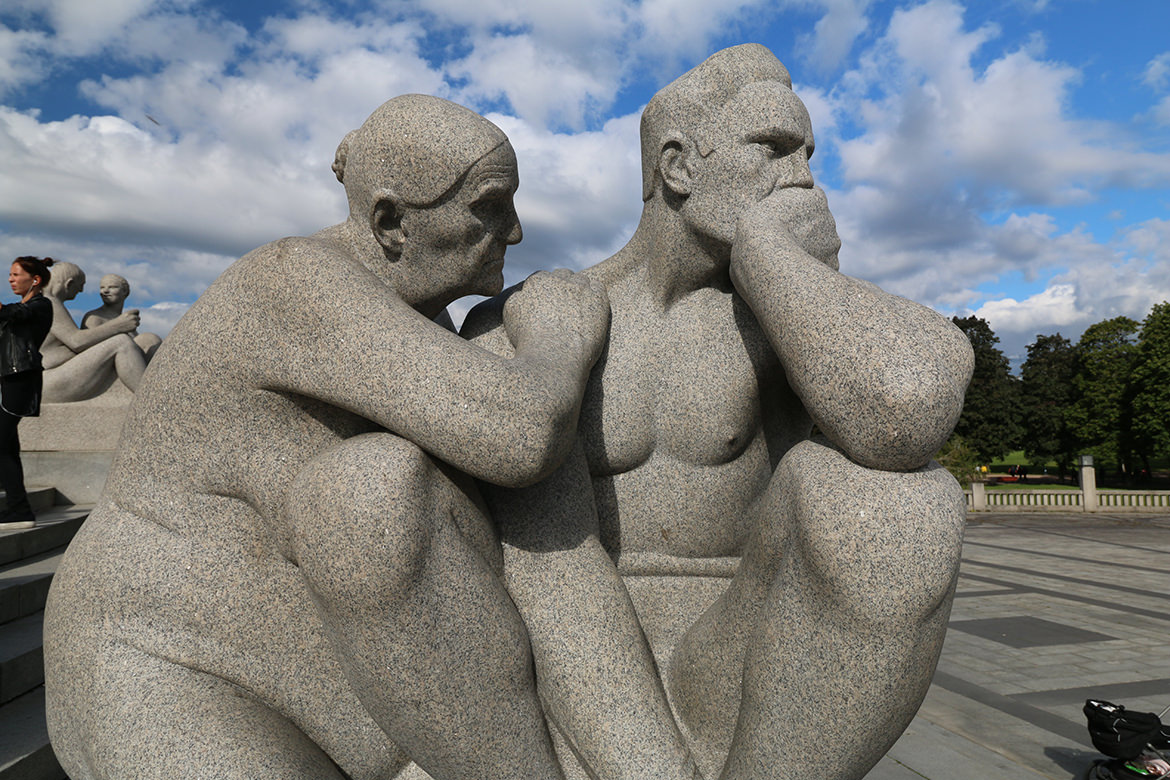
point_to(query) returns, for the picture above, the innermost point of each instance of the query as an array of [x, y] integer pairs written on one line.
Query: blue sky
[[1008, 158]]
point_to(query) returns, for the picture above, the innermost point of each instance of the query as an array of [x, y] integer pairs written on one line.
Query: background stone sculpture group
[[81, 363], [590, 537]]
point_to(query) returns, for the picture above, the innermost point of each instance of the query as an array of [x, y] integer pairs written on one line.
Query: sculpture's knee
[[361, 520], [882, 545], [121, 342]]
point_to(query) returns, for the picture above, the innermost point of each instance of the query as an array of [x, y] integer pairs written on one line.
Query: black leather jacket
[[23, 327]]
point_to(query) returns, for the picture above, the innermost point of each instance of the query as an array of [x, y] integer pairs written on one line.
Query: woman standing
[[23, 326]]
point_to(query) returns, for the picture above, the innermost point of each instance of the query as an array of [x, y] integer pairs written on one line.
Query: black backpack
[[1119, 733]]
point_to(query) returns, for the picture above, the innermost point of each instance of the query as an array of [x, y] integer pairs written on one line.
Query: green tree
[[1046, 394], [959, 459], [1100, 420], [1150, 386], [989, 423]]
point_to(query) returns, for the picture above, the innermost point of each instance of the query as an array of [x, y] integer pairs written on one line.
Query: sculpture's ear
[[675, 163], [386, 223]]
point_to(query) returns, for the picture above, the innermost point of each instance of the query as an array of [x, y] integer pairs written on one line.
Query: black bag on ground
[[1120, 733]]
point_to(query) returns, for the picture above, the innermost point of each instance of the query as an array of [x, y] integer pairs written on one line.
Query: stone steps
[[28, 558]]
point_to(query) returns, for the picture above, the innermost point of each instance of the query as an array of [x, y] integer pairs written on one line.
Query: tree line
[[1108, 396]]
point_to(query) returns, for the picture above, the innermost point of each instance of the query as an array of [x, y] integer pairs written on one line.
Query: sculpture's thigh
[[846, 641], [85, 375], [168, 722]]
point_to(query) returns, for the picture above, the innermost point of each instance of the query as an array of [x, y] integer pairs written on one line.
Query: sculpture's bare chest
[[684, 383]]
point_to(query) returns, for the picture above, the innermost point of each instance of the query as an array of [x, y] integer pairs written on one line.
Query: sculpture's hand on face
[[561, 302], [796, 216]]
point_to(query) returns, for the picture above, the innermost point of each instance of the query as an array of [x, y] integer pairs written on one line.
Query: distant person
[[114, 290], [23, 326], [83, 363]]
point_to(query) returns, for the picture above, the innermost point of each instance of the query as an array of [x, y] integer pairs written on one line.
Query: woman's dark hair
[[36, 266]]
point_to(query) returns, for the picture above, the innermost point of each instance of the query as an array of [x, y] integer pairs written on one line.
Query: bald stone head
[[413, 150], [691, 104]]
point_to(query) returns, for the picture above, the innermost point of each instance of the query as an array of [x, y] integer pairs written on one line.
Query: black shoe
[[15, 520]]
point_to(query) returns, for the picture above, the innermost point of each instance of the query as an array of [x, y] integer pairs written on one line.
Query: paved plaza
[[1050, 610]]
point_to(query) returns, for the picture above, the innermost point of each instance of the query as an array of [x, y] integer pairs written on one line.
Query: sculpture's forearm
[[78, 339], [595, 674], [883, 377]]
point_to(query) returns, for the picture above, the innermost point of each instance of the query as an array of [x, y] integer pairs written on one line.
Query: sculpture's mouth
[[494, 259]]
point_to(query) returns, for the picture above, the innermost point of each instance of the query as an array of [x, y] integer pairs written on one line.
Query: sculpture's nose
[[796, 171], [516, 234]]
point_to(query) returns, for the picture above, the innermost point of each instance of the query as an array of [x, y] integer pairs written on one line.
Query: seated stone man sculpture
[[793, 591], [290, 573], [82, 363], [114, 291]]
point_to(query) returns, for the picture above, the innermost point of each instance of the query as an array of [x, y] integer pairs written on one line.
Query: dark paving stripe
[[989, 592], [1060, 594], [1092, 540], [1063, 557], [1115, 692], [1096, 583], [1020, 632], [1077, 732]]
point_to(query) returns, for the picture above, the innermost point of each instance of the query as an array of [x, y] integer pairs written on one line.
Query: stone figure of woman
[[114, 290]]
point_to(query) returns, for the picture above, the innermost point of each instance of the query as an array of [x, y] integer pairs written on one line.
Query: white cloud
[[1055, 307], [1126, 278], [20, 62], [555, 90], [580, 193], [161, 317], [949, 169], [1003, 134], [107, 177], [834, 33], [1157, 72], [85, 26]]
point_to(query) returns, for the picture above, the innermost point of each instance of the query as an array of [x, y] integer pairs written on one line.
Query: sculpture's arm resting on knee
[[595, 673], [883, 546], [882, 377], [855, 617]]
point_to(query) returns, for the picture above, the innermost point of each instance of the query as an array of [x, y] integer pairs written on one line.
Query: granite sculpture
[[114, 291], [290, 572], [704, 583], [83, 363], [354, 544]]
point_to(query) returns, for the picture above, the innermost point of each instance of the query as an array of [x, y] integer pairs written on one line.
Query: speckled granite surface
[[772, 603], [290, 572], [341, 541]]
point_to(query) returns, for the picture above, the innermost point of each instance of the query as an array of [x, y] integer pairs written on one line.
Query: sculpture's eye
[[780, 145]]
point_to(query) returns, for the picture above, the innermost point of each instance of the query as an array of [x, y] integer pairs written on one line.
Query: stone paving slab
[[1050, 610]]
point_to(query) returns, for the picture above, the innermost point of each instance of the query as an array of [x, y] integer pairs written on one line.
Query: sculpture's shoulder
[[93, 318], [618, 270], [295, 258], [288, 274]]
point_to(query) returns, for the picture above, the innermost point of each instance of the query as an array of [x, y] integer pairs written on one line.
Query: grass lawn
[[1106, 480]]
